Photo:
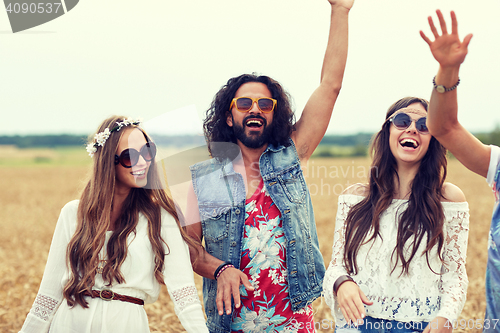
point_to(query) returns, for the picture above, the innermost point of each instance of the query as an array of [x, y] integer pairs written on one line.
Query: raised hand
[[447, 48]]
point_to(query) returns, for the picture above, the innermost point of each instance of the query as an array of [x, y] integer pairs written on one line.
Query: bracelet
[[442, 89], [221, 268], [339, 281]]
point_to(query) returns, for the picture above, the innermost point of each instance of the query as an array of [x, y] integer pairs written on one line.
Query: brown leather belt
[[109, 295]]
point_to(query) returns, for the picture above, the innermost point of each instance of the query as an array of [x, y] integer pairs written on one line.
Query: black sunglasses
[[402, 121], [130, 156]]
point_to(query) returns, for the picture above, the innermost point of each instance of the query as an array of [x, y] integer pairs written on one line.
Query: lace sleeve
[[336, 267], [454, 281], [179, 279], [185, 297], [49, 295]]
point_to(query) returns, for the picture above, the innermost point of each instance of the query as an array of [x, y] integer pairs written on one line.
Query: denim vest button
[[237, 211], [233, 243]]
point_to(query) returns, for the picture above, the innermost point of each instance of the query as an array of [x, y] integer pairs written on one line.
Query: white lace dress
[[419, 296], [51, 313]]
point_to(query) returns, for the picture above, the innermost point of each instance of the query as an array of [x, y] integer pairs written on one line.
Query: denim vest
[[492, 282], [221, 201]]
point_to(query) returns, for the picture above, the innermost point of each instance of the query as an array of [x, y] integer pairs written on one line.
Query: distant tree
[[347, 140], [491, 138], [360, 150]]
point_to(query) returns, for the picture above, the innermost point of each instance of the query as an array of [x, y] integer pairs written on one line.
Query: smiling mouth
[[254, 123], [409, 143], [139, 173]]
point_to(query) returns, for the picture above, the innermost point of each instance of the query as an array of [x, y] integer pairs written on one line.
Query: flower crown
[[100, 138]]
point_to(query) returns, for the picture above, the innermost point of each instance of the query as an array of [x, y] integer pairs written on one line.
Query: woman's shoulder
[[452, 193], [69, 216], [71, 207], [358, 189], [167, 220], [353, 194]]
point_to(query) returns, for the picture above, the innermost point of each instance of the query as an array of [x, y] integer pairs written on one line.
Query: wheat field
[[32, 196]]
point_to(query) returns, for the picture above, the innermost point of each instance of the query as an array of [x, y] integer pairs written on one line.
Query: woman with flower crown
[[112, 249]]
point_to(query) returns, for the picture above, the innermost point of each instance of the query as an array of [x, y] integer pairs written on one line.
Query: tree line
[[360, 141]]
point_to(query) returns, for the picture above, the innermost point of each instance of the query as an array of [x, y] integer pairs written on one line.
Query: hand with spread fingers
[[447, 48], [228, 284], [351, 299]]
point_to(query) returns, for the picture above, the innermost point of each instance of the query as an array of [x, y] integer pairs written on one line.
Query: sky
[[165, 60]]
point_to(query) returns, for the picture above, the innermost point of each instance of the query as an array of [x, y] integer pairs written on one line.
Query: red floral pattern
[[267, 308]]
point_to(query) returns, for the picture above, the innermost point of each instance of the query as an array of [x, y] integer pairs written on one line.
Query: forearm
[[334, 271], [454, 275], [443, 108], [334, 62], [443, 124], [315, 118], [205, 264], [336, 267]]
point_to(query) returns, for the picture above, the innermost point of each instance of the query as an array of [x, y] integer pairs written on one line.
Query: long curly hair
[[94, 219], [217, 130], [424, 215]]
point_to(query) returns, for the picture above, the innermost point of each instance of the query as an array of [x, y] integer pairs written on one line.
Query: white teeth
[[139, 173], [410, 141], [257, 122]]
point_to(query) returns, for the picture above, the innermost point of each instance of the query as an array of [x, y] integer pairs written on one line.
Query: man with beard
[[261, 263]]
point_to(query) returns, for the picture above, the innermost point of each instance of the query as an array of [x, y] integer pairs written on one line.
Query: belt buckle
[[103, 296]]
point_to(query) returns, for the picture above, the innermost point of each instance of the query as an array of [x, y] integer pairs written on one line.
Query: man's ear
[[229, 119]]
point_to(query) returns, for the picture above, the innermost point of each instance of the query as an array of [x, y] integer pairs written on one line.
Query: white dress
[[419, 296], [51, 313]]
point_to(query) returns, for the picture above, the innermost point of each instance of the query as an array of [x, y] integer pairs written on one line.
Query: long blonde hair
[[94, 219]]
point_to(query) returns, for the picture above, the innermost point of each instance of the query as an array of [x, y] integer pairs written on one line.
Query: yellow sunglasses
[[245, 104]]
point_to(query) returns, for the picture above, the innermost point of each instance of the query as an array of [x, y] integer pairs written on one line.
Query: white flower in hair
[[100, 138], [91, 149]]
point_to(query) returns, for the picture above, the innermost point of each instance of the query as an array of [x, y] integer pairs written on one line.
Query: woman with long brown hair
[[112, 249], [400, 243]]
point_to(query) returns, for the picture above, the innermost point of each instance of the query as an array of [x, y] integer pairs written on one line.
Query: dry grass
[[32, 197]]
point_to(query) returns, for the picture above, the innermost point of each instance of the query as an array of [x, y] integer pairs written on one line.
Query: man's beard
[[252, 141]]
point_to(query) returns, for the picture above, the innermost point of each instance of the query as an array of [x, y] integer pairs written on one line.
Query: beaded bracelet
[[221, 268]]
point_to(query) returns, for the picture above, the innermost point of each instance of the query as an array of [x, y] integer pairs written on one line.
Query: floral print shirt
[[263, 260]]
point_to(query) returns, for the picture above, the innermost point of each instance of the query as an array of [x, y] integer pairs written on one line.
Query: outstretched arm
[[442, 119], [315, 118]]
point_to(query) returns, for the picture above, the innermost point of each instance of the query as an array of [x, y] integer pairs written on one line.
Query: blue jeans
[[375, 325]]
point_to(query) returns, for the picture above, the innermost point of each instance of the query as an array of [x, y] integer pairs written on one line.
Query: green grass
[[41, 157], [326, 151]]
